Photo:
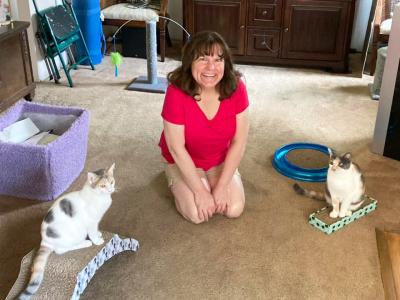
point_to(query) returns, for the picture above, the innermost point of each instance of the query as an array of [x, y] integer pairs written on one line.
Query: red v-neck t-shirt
[[207, 141]]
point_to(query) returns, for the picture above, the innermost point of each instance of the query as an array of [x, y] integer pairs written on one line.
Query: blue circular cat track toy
[[285, 167]]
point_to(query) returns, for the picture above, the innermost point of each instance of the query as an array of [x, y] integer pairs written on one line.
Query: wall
[[361, 16]]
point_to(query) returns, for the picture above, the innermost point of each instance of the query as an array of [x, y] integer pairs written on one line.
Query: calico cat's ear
[[92, 178], [111, 169], [347, 155]]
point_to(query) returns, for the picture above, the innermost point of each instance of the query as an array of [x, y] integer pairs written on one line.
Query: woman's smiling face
[[208, 70]]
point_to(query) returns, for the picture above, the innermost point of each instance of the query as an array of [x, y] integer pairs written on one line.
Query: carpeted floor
[[270, 252]]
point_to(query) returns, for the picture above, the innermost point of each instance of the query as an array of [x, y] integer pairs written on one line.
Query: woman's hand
[[222, 199], [205, 204]]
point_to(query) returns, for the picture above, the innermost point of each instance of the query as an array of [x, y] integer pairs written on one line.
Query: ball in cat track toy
[[288, 169]]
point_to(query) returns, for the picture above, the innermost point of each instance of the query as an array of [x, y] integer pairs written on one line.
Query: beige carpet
[[270, 252]]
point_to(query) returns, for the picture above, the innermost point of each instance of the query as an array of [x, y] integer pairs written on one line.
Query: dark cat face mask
[[342, 161]]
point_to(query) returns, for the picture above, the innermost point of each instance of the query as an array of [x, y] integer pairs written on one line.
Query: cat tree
[[150, 83]]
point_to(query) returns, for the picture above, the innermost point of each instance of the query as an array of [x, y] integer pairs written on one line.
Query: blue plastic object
[[88, 14], [286, 168]]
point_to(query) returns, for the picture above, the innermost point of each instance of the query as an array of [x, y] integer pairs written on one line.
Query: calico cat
[[72, 223], [345, 186]]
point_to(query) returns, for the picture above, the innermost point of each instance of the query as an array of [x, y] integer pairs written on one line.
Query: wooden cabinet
[[226, 17], [16, 77], [314, 29], [290, 32]]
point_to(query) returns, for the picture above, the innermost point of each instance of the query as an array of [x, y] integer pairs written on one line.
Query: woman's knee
[[184, 203], [235, 209], [237, 198], [192, 216]]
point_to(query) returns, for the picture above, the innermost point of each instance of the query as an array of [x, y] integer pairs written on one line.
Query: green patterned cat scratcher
[[321, 220], [67, 275]]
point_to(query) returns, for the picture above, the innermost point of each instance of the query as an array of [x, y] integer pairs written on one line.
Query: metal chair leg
[[71, 58], [55, 69], [65, 67]]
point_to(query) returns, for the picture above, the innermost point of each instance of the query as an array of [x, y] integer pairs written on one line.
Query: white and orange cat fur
[[344, 189], [72, 223]]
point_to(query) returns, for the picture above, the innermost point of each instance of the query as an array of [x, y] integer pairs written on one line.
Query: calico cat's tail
[[38, 266], [308, 193]]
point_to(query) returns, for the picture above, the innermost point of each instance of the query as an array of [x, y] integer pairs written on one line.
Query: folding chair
[[59, 30]]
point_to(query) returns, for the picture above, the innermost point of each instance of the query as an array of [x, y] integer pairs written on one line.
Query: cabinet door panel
[[315, 29], [225, 17]]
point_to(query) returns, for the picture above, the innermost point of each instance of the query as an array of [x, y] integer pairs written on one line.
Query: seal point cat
[[345, 186]]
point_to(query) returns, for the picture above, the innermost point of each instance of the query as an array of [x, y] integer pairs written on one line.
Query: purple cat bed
[[43, 172]]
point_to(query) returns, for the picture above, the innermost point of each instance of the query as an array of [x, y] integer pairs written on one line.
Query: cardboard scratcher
[[66, 276], [321, 220]]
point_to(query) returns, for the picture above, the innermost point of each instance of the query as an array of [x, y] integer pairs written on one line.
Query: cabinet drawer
[[265, 13], [263, 42]]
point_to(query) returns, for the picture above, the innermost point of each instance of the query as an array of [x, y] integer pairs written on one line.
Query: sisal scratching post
[[66, 276], [150, 83]]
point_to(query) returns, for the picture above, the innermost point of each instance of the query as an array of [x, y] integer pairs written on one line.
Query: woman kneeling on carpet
[[206, 126]]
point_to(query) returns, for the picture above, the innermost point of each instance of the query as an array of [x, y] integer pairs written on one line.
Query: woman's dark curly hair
[[203, 43]]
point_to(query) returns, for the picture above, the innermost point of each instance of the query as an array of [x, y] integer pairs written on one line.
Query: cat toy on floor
[[286, 168], [116, 61], [151, 82], [321, 220]]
